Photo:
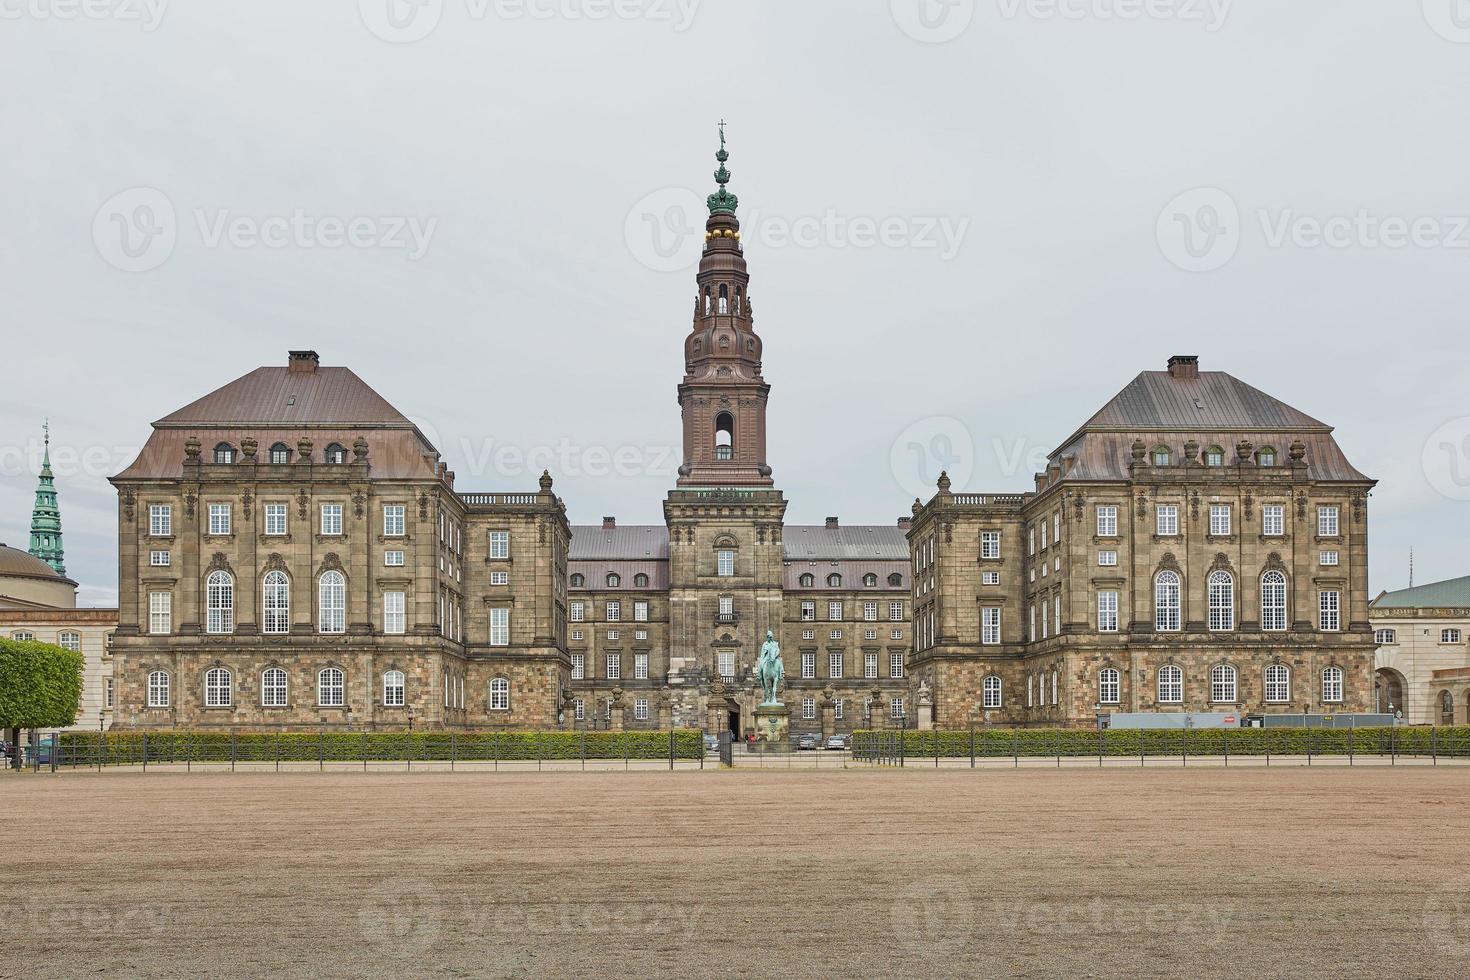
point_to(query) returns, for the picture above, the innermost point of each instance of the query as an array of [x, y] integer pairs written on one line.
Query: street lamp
[[349, 717], [1097, 713], [410, 717]]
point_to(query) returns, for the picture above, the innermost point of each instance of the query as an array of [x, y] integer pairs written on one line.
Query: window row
[[1221, 521], [66, 639], [613, 580], [1276, 684], [834, 581], [836, 661], [280, 453], [1220, 602], [1214, 456], [331, 689], [1389, 636], [835, 611]]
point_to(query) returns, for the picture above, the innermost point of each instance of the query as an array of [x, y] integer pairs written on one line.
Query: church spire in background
[[46, 516]]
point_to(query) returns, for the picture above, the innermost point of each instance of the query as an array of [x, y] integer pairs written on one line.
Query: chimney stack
[[905, 522], [303, 361], [831, 523], [1184, 366], [608, 523]]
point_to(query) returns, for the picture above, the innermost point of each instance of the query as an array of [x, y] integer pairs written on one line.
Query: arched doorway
[[1446, 708], [1388, 691]]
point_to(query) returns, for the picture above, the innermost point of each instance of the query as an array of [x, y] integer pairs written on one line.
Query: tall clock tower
[[725, 516]]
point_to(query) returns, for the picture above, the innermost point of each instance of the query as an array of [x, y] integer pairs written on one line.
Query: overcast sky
[[968, 225]]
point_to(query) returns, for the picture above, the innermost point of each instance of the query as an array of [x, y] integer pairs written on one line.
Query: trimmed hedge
[[1032, 742], [88, 748]]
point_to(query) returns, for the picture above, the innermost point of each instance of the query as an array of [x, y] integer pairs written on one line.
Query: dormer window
[[1266, 457], [614, 580], [1214, 456], [834, 581], [336, 454], [640, 581], [870, 580], [280, 453], [224, 453], [578, 580], [895, 580], [1161, 456], [808, 580]]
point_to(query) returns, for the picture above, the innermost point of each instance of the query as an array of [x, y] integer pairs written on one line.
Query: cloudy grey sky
[[969, 224]]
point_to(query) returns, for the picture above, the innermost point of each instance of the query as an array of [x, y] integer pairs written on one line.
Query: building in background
[[1422, 665]]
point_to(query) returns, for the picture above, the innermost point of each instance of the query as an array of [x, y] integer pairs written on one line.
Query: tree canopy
[[40, 684]]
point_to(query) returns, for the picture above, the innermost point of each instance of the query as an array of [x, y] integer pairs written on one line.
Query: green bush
[[1034, 742], [128, 747]]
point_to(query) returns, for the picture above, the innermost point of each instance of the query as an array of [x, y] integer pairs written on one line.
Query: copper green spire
[[722, 201], [46, 516]]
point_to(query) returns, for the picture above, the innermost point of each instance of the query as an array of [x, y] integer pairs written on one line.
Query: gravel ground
[[1030, 873]]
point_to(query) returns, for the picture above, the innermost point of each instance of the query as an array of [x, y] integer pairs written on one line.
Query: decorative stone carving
[[130, 505], [191, 498], [331, 563], [248, 446], [274, 563], [247, 499], [303, 449], [360, 449], [219, 562], [301, 502], [191, 449]]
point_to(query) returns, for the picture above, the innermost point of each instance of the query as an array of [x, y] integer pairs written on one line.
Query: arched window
[[870, 580], [895, 580], [614, 580], [1054, 678], [280, 453], [724, 301], [1278, 683], [808, 580], [220, 603], [1215, 456], [500, 694], [332, 603], [1161, 455], [1166, 602], [1273, 601], [834, 581], [640, 581], [1332, 685], [724, 436], [1266, 457], [158, 689], [224, 453], [331, 687], [217, 688], [68, 640], [336, 453], [990, 688], [1446, 708], [1222, 601], [708, 304], [277, 605], [1171, 684], [578, 580], [1222, 684], [273, 688], [739, 298], [1109, 686], [393, 689]]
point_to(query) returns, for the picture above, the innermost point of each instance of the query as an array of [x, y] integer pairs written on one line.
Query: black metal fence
[[1296, 746]]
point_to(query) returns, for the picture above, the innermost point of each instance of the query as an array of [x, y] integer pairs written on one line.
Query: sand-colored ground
[[1154, 872]]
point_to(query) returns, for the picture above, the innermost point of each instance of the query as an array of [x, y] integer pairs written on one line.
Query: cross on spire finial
[[722, 134], [722, 201]]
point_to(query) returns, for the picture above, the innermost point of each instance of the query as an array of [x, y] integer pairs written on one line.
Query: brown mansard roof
[[280, 396], [800, 543]]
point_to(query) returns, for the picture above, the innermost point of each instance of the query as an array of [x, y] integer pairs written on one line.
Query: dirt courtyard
[[1178, 873]]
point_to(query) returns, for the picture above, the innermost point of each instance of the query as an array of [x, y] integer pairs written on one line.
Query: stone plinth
[[772, 725]]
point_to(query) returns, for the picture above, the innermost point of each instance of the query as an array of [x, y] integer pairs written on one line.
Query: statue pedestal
[[772, 723]]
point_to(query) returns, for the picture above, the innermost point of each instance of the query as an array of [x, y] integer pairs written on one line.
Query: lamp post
[[349, 717], [410, 717], [1097, 714]]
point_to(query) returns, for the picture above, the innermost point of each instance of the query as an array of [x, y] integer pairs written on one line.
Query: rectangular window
[[394, 620], [640, 666], [808, 634], [111, 694], [393, 520], [837, 709], [393, 559], [1168, 520], [1043, 534], [808, 665], [614, 611], [870, 666], [1107, 522], [1332, 685], [726, 665], [577, 635], [275, 519], [1107, 612], [499, 544], [1107, 559], [579, 710], [1327, 558], [577, 612], [500, 578], [499, 627], [990, 625], [895, 708], [1327, 522], [895, 634], [870, 612], [808, 611], [1273, 520], [160, 613], [990, 578], [160, 520], [579, 666], [614, 666], [895, 611], [836, 634], [1450, 636], [1385, 636], [834, 664], [1220, 520], [989, 544], [870, 634], [1329, 606], [895, 665], [612, 634], [158, 558], [725, 563], [331, 519], [808, 708], [834, 610], [640, 709], [219, 518], [640, 612]]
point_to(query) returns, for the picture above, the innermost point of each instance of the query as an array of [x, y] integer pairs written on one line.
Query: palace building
[[293, 553]]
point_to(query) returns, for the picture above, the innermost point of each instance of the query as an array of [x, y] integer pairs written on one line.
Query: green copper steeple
[[722, 201], [46, 517]]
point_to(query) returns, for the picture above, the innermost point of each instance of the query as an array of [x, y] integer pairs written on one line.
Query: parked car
[[838, 742], [806, 742], [711, 743]]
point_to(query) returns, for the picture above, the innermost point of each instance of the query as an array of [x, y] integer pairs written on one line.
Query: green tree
[[40, 687]]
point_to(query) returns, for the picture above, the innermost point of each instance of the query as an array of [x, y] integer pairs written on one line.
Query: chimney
[[608, 523], [303, 362], [831, 523], [905, 522], [1184, 366]]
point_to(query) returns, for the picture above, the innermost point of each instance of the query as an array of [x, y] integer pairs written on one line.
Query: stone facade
[[1423, 656], [87, 630]]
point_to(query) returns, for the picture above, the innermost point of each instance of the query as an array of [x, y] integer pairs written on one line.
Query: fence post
[[453, 749], [1184, 749], [232, 750], [1102, 736], [363, 743], [671, 749], [1350, 745], [1225, 739], [1015, 749], [1434, 746], [972, 745], [1311, 739], [1393, 749], [145, 751], [277, 741], [321, 750]]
